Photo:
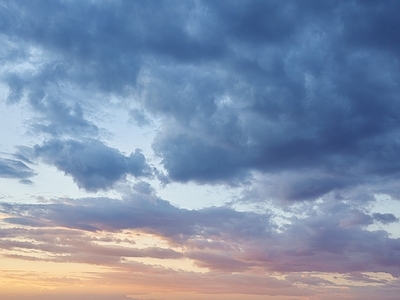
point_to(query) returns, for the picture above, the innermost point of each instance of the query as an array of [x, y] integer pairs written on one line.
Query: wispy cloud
[[11, 168], [332, 238]]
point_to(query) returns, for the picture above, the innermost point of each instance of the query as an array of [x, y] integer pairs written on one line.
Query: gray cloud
[[11, 168], [302, 105], [330, 237], [69, 297], [293, 88], [385, 218], [139, 118], [92, 165], [58, 118]]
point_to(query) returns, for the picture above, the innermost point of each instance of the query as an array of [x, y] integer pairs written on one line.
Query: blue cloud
[[270, 87], [11, 168], [385, 218], [92, 165]]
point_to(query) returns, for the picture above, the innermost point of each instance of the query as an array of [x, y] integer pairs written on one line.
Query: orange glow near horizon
[[62, 261]]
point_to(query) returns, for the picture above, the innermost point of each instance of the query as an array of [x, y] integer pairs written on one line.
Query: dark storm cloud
[[11, 168], [92, 164], [330, 237], [278, 87]]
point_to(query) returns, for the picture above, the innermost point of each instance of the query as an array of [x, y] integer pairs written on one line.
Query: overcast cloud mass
[[289, 109]]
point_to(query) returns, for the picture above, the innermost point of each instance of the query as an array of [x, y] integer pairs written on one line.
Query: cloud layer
[[330, 238]]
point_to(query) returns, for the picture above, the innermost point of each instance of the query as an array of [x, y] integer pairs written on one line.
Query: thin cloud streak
[[330, 238]]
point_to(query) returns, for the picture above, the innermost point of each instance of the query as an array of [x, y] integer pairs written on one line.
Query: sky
[[195, 149]]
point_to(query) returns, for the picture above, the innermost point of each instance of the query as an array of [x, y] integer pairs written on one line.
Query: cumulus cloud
[[293, 88], [92, 164]]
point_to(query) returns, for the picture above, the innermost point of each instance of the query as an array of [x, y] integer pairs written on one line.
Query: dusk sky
[[171, 150]]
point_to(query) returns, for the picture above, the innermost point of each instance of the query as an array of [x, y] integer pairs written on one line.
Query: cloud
[[69, 297], [385, 218], [139, 118], [205, 162], [59, 118], [290, 114], [11, 168], [329, 237], [277, 88], [92, 164]]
